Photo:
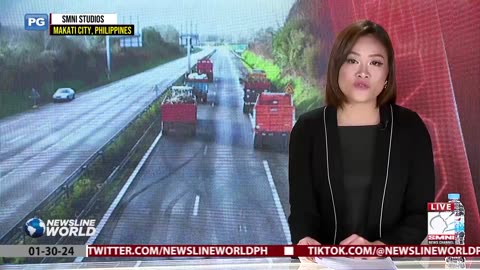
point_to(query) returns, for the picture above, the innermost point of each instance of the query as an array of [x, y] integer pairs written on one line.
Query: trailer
[[199, 83], [179, 111], [205, 66], [274, 116], [255, 83]]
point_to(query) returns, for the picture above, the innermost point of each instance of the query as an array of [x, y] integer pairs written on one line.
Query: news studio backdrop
[[173, 127]]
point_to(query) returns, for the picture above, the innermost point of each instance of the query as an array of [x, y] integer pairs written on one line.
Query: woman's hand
[[307, 241], [355, 239]]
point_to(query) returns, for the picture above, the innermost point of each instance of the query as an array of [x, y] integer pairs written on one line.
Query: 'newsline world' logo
[[35, 227]]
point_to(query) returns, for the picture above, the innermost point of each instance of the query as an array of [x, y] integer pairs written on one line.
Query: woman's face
[[362, 76]]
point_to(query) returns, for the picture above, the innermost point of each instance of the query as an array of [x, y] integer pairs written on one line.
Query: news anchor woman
[[360, 168]]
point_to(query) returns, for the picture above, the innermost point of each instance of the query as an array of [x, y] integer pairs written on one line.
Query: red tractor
[[255, 83], [274, 116], [179, 111], [205, 66]]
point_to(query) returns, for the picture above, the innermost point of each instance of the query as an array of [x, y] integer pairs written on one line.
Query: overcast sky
[[211, 16]]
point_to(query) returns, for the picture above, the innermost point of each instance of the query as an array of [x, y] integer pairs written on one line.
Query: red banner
[[280, 251], [440, 207]]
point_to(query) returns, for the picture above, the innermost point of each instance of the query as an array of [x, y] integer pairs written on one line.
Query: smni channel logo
[[35, 227], [36, 22]]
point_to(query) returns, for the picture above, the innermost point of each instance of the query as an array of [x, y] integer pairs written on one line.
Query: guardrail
[[55, 195], [118, 169]]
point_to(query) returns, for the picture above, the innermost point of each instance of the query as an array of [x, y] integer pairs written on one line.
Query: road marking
[[276, 199], [242, 228], [251, 121], [195, 208], [205, 150], [15, 139], [120, 195]]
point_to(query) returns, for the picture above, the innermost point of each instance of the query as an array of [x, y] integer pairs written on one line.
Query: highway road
[[39, 149], [213, 188]]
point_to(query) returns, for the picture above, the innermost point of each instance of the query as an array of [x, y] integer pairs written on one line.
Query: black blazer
[[398, 196]]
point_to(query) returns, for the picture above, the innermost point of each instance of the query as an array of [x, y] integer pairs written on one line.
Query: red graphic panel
[[437, 76]]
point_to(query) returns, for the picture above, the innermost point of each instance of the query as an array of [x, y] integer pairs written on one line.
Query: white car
[[64, 94]]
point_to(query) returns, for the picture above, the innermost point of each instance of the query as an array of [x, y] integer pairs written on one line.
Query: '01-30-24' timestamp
[[50, 251]]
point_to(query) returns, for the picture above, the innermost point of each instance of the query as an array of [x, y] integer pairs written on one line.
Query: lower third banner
[[239, 251], [280, 251]]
